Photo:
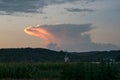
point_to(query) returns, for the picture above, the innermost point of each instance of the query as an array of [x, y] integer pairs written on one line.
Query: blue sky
[[97, 23]]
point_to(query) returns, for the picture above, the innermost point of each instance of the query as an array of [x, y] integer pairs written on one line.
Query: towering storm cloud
[[71, 37]]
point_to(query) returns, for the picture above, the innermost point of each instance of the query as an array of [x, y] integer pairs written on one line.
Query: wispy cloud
[[79, 10]]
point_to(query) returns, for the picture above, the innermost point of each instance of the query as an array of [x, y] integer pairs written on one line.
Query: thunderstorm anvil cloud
[[71, 37]]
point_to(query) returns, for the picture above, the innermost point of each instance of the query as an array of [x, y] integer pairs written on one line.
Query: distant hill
[[45, 55]]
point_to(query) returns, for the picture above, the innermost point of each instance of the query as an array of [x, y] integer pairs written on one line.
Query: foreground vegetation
[[60, 71], [44, 64]]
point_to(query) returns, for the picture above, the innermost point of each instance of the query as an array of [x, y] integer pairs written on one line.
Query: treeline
[[45, 55], [60, 71]]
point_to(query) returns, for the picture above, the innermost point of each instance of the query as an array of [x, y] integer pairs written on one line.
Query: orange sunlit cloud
[[41, 33]]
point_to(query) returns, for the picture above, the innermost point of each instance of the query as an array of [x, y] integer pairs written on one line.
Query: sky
[[72, 25]]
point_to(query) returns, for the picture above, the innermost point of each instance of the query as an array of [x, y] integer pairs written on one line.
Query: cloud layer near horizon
[[71, 37]]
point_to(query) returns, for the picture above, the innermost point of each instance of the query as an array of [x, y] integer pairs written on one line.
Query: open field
[[60, 71]]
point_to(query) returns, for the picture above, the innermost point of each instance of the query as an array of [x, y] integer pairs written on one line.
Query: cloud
[[71, 37], [53, 46], [79, 10], [27, 6], [30, 6]]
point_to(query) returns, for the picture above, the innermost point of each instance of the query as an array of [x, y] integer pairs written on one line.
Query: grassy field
[[60, 71]]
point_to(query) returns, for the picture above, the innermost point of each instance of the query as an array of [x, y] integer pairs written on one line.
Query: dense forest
[[45, 55]]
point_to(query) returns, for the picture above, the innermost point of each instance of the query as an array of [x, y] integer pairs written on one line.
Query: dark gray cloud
[[52, 46], [79, 10], [30, 6], [71, 37], [27, 6], [11, 6]]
